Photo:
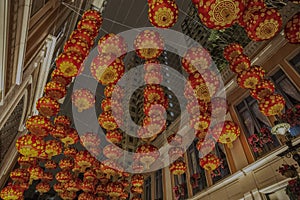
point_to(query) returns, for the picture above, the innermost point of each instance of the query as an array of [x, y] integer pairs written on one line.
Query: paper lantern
[[101, 189], [110, 167], [163, 14], [252, 7], [112, 151], [70, 152], [136, 198], [55, 90], [36, 172], [232, 50], [148, 44], [83, 35], [292, 29], [112, 44], [153, 125], [84, 159], [155, 109], [85, 196], [227, 131], [78, 46], [50, 164], [108, 121], [25, 161], [152, 65], [220, 107], [124, 182], [71, 137], [137, 167], [114, 189], [113, 91], [89, 25], [154, 93], [88, 186], [62, 120], [89, 175], [206, 145], [108, 103], [64, 176], [59, 132], [147, 154], [83, 99], [220, 14], [19, 175], [43, 187], [153, 77], [196, 59], [59, 187], [175, 153], [250, 78], [210, 162], [69, 63], [73, 185], [59, 77], [66, 163], [137, 180], [107, 68], [95, 151], [201, 133], [47, 177], [240, 63], [145, 135], [264, 24], [39, 125], [124, 196], [66, 195], [178, 167], [272, 105], [90, 139], [263, 89], [114, 136], [136, 190], [195, 107], [201, 122], [93, 15], [11, 192], [53, 148], [30, 145], [175, 139]]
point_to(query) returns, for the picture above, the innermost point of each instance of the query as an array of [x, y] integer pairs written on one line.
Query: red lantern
[[53, 148], [43, 187], [148, 44], [137, 167], [137, 180], [47, 177], [50, 164], [86, 196], [69, 63], [88, 186], [108, 121], [108, 103], [136, 190], [114, 136], [89, 25], [90, 139], [83, 99], [163, 14], [264, 24], [113, 91], [147, 154], [114, 189], [145, 135], [112, 151], [240, 63], [292, 29], [59, 132], [178, 167], [36, 172], [153, 77], [25, 161], [227, 131], [220, 107], [263, 89], [55, 90], [19, 175], [93, 15], [218, 14], [73, 185], [11, 192], [110, 167], [175, 139], [64, 176], [30, 145], [101, 189], [114, 44], [66, 163], [210, 162], [107, 68], [252, 6], [154, 93], [201, 122], [196, 59], [175, 153], [83, 35], [39, 125], [232, 50], [59, 77], [84, 159], [89, 175], [206, 145], [195, 107], [152, 65], [66, 195], [78, 46], [272, 105], [59, 187], [250, 78], [62, 120], [70, 152], [71, 137]]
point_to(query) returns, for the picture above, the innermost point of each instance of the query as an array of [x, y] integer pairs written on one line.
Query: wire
[[68, 6]]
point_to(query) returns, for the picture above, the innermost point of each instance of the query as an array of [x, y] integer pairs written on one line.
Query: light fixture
[[280, 129]]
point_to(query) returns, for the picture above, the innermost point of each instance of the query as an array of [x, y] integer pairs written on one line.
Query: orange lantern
[[73, 185], [19, 175], [220, 107], [66, 163], [83, 99], [232, 50], [196, 59], [113, 91], [153, 77], [83, 35], [292, 29], [93, 15], [148, 44], [114, 189], [69, 63], [262, 89], [250, 78], [88, 186], [228, 132], [53, 148], [59, 132], [90, 139], [178, 167], [59, 187], [36, 172], [111, 43], [70, 138], [112, 151], [201, 122], [240, 63], [175, 139], [78, 46], [25, 161], [47, 107], [11, 192], [252, 6], [163, 14], [114, 136], [64, 176], [59, 77], [147, 154], [89, 25], [55, 90], [264, 24], [137, 180], [30, 145], [70, 152], [136, 190], [107, 68], [108, 121], [62, 120], [210, 162], [205, 84], [43, 187], [272, 105], [84, 159], [218, 14], [39, 125]]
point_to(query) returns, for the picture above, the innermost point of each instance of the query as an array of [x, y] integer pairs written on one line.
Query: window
[[180, 182], [295, 62], [37, 5], [223, 170], [148, 188], [158, 185], [197, 179]]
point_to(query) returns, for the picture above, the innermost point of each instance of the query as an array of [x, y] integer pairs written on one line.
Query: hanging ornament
[[163, 14], [113, 91], [89, 25], [137, 166], [148, 44], [175, 153], [153, 77], [240, 63], [11, 192], [36, 172], [55, 90], [78, 46], [112, 44], [66, 195], [292, 29], [73, 185], [210, 162], [196, 59], [19, 175], [39, 125], [262, 89], [220, 107], [89, 175], [227, 131], [59, 187], [93, 15], [232, 50], [107, 104], [114, 136], [147, 154], [114, 189], [47, 177], [264, 24], [252, 7], [154, 126], [59, 77], [25, 161], [53, 148], [70, 152], [83, 99], [66, 163], [83, 35], [88, 186], [220, 14], [50, 164], [136, 190], [206, 145], [152, 65], [154, 93], [250, 78], [64, 176], [111, 167], [195, 107], [101, 189], [175, 139], [178, 167], [69, 63], [84, 159], [71, 137], [47, 107], [137, 180], [108, 121], [43, 187], [145, 135], [112, 151], [272, 105], [30, 145], [201, 122], [63, 121], [107, 68], [90, 139]]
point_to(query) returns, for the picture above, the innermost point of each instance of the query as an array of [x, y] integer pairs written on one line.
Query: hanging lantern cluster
[[292, 29], [253, 78]]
